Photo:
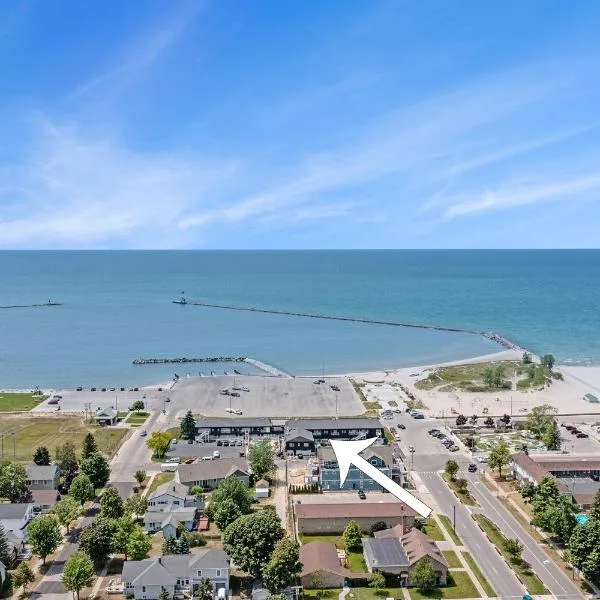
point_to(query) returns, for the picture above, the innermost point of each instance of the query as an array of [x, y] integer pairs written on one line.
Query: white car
[[245, 388], [230, 410], [237, 411], [207, 458]]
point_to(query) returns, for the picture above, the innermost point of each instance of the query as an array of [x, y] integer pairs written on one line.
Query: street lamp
[[412, 456]]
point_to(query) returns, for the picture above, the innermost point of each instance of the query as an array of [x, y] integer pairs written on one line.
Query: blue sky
[[269, 124]]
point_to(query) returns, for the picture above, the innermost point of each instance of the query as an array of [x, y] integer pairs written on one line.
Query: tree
[[111, 504], [67, 510], [66, 459], [135, 505], [231, 487], [5, 549], [138, 405], [451, 468], [159, 443], [546, 494], [140, 477], [505, 419], [261, 459], [498, 457], [377, 526], [139, 544], [182, 545], [197, 491], [461, 420], [169, 545], [187, 428], [123, 530], [594, 511], [13, 481], [526, 360], [528, 490], [96, 539], [488, 376], [95, 466], [514, 549], [551, 436], [44, 536], [204, 591], [548, 361], [540, 419], [473, 420], [284, 567], [561, 518], [377, 580], [352, 536], [89, 446], [226, 513], [461, 485], [41, 456], [163, 594], [424, 576], [250, 540], [23, 576], [584, 548], [82, 489], [78, 572], [489, 422], [471, 442]]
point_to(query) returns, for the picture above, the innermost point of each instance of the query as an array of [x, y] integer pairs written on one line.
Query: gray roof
[[107, 413], [211, 469], [41, 472], [300, 434], [173, 517], [312, 424], [241, 422], [14, 511], [384, 552], [174, 488], [166, 569]]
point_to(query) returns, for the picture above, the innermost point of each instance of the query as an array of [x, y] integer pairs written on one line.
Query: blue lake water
[[117, 306]]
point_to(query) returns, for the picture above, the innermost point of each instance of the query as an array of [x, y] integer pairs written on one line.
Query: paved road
[[493, 566], [551, 575]]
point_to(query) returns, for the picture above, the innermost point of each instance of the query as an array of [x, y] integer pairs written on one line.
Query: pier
[[184, 360], [32, 305], [270, 369]]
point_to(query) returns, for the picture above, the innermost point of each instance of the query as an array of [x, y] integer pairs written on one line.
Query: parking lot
[[198, 450]]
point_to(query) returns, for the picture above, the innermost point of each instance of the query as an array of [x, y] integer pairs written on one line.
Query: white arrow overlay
[[347, 453]]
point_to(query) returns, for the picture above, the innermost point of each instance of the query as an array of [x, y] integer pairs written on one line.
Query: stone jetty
[[185, 360], [32, 305]]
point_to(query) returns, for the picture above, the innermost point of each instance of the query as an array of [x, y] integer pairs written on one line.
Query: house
[[44, 500], [299, 442], [16, 517], [208, 474], [167, 522], [396, 553], [42, 477], [210, 429], [2, 573], [333, 518], [382, 457], [179, 574], [261, 489], [108, 416], [323, 568], [170, 496], [325, 429]]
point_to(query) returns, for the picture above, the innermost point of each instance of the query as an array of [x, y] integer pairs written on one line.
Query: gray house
[[167, 522], [178, 574], [170, 496], [42, 477], [16, 517], [209, 473]]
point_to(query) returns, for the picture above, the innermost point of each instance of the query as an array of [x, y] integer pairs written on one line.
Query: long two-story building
[[213, 429]]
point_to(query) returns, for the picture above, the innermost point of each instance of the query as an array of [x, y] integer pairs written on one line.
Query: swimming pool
[[582, 519]]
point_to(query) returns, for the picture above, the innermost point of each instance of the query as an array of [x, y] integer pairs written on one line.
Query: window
[[218, 572], [143, 589], [199, 573]]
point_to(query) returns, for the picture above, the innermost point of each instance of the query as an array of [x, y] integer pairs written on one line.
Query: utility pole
[[454, 518], [14, 447], [2, 436]]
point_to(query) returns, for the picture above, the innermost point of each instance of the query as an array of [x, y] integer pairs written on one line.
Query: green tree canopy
[[250, 540], [13, 481], [284, 567], [499, 457], [227, 512], [584, 548], [424, 578], [41, 456], [187, 428], [139, 544], [163, 594], [548, 361], [352, 536], [78, 572], [261, 459], [5, 548], [123, 529], [461, 420], [540, 418], [22, 576], [377, 580], [97, 539], [89, 446], [204, 591], [231, 487], [169, 545], [451, 468], [140, 476], [135, 505], [111, 504], [95, 466], [67, 510], [182, 545], [66, 459], [159, 442], [138, 405], [514, 549], [44, 536], [82, 489]]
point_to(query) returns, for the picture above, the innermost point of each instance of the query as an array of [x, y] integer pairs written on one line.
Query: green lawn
[[529, 578], [24, 433], [13, 401], [160, 479], [448, 525], [433, 531], [372, 405], [485, 584], [367, 593], [332, 594], [459, 586], [136, 418], [330, 539], [356, 562], [452, 560]]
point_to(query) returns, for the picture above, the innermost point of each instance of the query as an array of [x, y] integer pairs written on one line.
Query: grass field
[[459, 586], [331, 594], [136, 418], [356, 562], [22, 434], [485, 584], [160, 479], [329, 539], [529, 578], [452, 560], [466, 377], [433, 531], [12, 401]]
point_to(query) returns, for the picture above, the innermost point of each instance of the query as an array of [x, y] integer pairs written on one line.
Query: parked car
[[472, 468], [575, 431], [362, 495], [79, 389], [433, 431], [582, 435], [453, 448], [207, 458], [235, 394], [143, 433], [216, 454], [245, 388], [401, 425]]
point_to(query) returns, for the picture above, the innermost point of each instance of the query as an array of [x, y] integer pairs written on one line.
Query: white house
[[261, 488], [170, 496], [178, 574], [16, 517]]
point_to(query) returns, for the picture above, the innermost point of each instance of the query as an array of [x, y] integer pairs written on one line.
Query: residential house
[[299, 442], [42, 477], [44, 500], [208, 474], [16, 546], [396, 553], [323, 568], [261, 489], [170, 496], [333, 518], [16, 517], [381, 457], [167, 522], [107, 416], [211, 429], [178, 574]]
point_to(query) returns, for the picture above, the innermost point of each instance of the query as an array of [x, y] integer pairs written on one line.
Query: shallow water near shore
[[117, 307]]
